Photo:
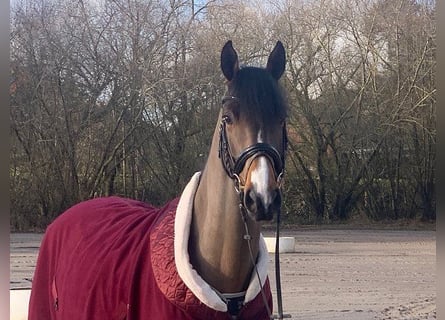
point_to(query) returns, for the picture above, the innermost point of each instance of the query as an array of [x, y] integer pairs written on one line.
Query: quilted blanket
[[114, 258]]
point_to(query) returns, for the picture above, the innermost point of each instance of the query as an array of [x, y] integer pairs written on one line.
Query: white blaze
[[260, 137], [260, 177], [260, 180]]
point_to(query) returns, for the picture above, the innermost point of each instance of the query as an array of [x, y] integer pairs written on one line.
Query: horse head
[[253, 131]]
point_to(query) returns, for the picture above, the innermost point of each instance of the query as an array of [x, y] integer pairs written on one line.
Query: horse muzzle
[[262, 193], [262, 207]]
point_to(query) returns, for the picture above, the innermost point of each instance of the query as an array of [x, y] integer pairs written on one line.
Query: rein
[[233, 167]]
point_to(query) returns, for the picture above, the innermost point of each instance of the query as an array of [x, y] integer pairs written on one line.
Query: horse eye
[[227, 119]]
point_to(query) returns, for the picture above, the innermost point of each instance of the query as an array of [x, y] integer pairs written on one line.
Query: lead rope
[[248, 238], [243, 211], [277, 260], [277, 268], [277, 271]]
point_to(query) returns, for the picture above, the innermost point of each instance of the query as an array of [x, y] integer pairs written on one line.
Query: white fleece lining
[[201, 289]]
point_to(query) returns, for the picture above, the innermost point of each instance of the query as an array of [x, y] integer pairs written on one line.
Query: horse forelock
[[260, 96]]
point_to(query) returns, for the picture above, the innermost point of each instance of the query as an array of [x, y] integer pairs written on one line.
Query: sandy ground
[[333, 274]]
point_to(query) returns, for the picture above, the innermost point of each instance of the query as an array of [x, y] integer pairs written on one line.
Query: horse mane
[[260, 96]]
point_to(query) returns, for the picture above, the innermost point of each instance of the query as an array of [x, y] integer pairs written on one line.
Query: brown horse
[[202, 255]]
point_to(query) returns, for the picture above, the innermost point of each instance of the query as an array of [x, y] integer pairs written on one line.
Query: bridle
[[233, 166]]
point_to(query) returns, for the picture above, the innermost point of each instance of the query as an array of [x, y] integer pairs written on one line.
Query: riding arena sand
[[331, 275]]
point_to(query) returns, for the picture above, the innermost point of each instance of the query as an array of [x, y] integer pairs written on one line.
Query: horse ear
[[277, 61], [229, 61]]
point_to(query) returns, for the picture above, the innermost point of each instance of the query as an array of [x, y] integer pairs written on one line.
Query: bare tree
[[121, 97], [348, 115]]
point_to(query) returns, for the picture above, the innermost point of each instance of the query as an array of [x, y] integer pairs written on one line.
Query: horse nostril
[[250, 200], [262, 207]]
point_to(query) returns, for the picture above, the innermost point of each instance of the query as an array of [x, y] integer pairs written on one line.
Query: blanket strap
[[234, 301]]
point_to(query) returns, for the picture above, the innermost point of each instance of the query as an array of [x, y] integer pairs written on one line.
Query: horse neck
[[218, 250]]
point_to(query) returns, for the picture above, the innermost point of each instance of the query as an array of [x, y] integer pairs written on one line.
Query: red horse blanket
[[115, 259]]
